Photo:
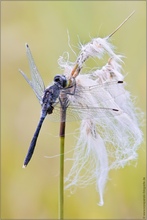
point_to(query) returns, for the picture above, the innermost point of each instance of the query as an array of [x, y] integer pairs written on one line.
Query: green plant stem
[[61, 183], [61, 199]]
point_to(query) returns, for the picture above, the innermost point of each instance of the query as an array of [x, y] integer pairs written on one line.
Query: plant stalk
[[61, 182]]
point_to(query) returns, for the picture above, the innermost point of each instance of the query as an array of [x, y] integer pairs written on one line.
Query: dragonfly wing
[[114, 88], [38, 95], [75, 113], [36, 77], [36, 81], [81, 111], [97, 101]]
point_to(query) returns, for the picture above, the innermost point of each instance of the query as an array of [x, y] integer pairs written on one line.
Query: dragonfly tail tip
[[24, 166]]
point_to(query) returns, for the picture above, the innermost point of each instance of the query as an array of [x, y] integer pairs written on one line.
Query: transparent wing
[[91, 102], [114, 88], [36, 81], [81, 113]]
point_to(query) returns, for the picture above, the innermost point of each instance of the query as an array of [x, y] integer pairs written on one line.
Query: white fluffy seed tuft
[[108, 139]]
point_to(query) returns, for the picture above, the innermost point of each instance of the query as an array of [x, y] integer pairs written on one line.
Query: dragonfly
[[62, 95], [69, 97]]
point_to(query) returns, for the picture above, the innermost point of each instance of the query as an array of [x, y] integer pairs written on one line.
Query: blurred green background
[[32, 193]]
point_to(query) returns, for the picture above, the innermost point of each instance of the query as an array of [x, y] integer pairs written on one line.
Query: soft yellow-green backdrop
[[32, 193]]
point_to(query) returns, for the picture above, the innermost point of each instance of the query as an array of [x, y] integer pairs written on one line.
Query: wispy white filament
[[91, 161], [108, 139]]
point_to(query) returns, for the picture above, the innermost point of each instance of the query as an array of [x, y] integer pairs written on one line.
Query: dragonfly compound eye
[[61, 80]]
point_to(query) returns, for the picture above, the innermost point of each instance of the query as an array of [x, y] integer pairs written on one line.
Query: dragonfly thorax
[[51, 93]]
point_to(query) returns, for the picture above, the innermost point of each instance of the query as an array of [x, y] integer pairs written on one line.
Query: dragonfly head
[[60, 80]]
